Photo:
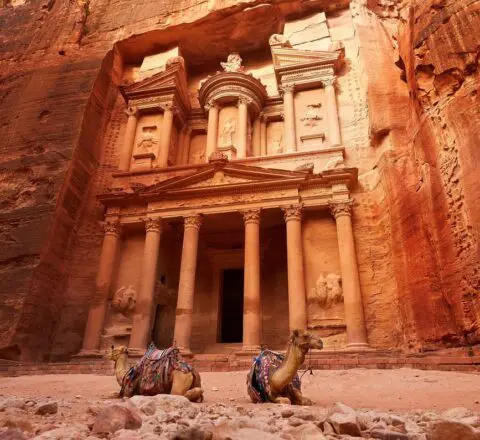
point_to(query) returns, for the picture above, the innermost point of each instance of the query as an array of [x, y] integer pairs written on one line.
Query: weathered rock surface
[[412, 132], [116, 417]]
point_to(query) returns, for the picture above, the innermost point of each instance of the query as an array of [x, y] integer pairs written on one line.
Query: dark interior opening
[[157, 336], [232, 306]]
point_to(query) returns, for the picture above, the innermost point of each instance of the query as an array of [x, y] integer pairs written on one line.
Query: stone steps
[[222, 362]]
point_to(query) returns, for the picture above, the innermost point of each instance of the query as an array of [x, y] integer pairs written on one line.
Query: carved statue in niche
[[233, 64], [277, 143], [228, 133], [124, 299], [147, 145], [312, 115], [328, 290]]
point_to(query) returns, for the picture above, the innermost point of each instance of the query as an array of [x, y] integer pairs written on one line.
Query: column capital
[[131, 111], [329, 81], [112, 227], [293, 212], [169, 106], [211, 104], [153, 224], [244, 100], [193, 221], [287, 88], [341, 208], [251, 215]]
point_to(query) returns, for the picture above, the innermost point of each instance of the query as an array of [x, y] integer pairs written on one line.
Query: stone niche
[[147, 141], [310, 119], [326, 314]]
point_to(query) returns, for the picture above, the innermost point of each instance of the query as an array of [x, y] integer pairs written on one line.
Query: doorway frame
[[222, 259]]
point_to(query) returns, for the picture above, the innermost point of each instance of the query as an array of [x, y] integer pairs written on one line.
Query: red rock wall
[[417, 218]]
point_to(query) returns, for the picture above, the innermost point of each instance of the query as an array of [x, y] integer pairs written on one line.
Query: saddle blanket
[[264, 365], [153, 374]]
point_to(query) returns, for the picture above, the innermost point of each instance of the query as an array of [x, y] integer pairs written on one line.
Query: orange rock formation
[[408, 119]]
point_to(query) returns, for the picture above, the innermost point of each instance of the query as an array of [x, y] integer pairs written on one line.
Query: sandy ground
[[396, 390]]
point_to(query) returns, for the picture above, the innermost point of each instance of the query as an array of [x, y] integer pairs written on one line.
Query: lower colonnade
[[252, 313]]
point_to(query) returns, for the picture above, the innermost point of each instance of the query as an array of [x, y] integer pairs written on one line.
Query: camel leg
[[281, 400], [299, 399], [181, 387]]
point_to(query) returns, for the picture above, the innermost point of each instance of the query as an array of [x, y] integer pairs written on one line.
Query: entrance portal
[[232, 306]]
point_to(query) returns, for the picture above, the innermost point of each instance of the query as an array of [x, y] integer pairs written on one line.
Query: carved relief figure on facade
[[312, 115], [233, 63], [328, 290], [147, 145], [124, 299], [228, 133]]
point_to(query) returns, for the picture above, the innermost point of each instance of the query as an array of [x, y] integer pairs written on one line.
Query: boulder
[[456, 413], [12, 402], [451, 430], [343, 420], [47, 408], [388, 435], [12, 434], [115, 417], [73, 432], [22, 423]]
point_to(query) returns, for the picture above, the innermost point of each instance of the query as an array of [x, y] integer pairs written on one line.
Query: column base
[[358, 346]]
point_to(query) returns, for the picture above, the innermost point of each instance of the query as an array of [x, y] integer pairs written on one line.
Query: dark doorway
[[232, 306]]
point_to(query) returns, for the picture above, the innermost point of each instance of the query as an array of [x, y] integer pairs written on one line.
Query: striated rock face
[[417, 215]]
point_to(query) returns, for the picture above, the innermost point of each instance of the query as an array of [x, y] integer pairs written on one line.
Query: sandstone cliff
[[418, 219]]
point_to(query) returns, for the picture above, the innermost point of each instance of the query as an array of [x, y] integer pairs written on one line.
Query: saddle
[[153, 374]]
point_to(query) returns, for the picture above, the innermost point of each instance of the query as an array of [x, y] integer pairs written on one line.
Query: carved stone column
[[142, 318], [212, 129], [289, 118], [256, 143], [297, 305], [252, 313], [242, 127], [166, 135], [186, 285], [98, 306], [128, 139], [263, 136], [354, 315], [332, 112]]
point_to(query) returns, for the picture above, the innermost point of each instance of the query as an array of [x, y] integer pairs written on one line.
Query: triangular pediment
[[284, 57], [225, 176]]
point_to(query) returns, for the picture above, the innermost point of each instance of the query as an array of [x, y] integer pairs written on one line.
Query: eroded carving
[[312, 115], [233, 63], [228, 133], [341, 208], [279, 40], [124, 299], [251, 216], [328, 290], [293, 212]]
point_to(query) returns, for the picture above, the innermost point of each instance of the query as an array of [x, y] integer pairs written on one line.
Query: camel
[[273, 376], [158, 372]]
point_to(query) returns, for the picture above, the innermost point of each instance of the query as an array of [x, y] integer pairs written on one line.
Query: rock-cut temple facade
[[215, 175]]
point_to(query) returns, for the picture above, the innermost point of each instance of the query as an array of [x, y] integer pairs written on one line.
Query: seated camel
[[273, 376], [157, 372]]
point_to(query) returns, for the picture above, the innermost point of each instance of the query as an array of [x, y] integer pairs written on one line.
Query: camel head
[[117, 352], [305, 340]]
